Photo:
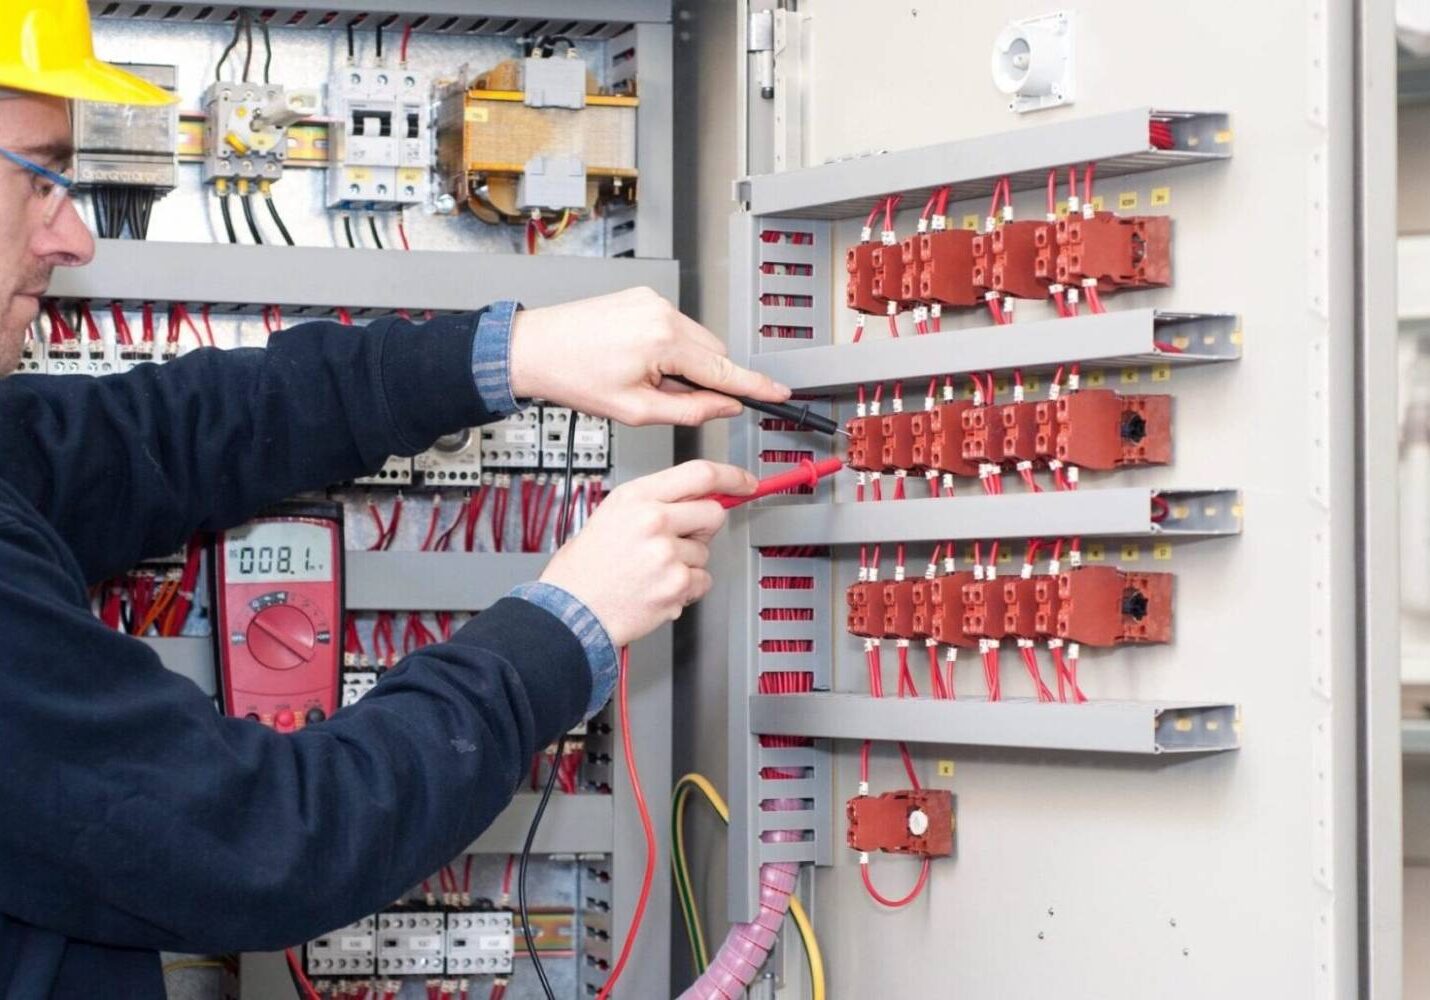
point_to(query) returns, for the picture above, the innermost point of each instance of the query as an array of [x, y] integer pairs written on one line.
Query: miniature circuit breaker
[[592, 451], [380, 140], [246, 132], [411, 943], [513, 443], [347, 951], [479, 942]]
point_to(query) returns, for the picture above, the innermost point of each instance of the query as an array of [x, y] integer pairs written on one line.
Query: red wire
[[304, 984], [648, 878], [895, 904], [406, 37], [402, 234], [121, 325]]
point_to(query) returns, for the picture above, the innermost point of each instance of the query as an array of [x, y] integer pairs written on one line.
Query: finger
[[692, 553], [700, 583], [698, 519], [692, 481], [715, 371], [686, 407]]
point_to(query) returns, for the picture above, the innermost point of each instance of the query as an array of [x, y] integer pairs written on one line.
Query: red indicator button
[[283, 721], [281, 637]]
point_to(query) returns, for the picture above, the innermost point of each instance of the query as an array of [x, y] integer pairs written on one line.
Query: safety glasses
[[60, 183]]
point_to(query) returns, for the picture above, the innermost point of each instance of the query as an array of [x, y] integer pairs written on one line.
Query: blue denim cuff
[[491, 358], [600, 653]]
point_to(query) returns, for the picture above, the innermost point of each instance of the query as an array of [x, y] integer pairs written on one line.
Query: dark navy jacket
[[133, 817]]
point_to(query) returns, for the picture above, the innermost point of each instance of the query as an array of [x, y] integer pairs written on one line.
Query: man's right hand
[[640, 560]]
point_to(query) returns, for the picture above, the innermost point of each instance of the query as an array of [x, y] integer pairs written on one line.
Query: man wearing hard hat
[[133, 817]]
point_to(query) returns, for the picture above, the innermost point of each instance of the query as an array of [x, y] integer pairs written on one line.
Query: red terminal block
[[1015, 256], [1020, 430], [946, 261], [983, 437], [938, 609], [897, 449], [1119, 252], [909, 270], [888, 275], [938, 439], [984, 609], [866, 444], [1045, 593], [981, 248], [908, 821], [1105, 606], [1098, 429], [899, 610], [859, 288], [865, 603], [1020, 606]]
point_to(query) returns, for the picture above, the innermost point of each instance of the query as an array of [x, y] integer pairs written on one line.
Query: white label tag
[[494, 942], [590, 439], [355, 942], [424, 943], [524, 435]]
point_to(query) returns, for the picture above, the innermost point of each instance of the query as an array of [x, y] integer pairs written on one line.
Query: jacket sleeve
[[129, 466], [137, 816]]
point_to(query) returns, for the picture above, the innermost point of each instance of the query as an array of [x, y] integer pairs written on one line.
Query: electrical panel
[[380, 139]]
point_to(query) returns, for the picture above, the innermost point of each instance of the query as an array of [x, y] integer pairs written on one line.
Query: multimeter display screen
[[279, 552]]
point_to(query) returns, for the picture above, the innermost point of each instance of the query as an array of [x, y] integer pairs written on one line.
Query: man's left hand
[[612, 357]]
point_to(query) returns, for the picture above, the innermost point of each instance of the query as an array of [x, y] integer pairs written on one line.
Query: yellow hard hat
[[46, 48]]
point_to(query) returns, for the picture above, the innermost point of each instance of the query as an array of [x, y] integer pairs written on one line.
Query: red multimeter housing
[[278, 605]]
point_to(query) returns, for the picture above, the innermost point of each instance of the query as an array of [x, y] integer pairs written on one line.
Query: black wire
[[147, 214], [248, 35], [521, 875], [100, 226], [348, 228], [267, 48], [233, 44], [379, 41], [252, 222], [352, 41], [563, 526], [372, 224], [278, 220], [227, 218]]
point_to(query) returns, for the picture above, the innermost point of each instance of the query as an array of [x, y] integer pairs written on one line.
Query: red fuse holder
[[1045, 593], [888, 274], [941, 599], [897, 448], [1104, 606], [865, 606], [1020, 430], [1119, 252], [983, 435], [984, 609], [938, 439], [909, 821], [866, 444], [807, 473], [909, 270], [1015, 256], [1020, 607], [899, 606], [946, 262], [1098, 429], [859, 288]]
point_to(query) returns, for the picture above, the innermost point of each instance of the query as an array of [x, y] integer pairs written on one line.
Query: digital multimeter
[[278, 606]]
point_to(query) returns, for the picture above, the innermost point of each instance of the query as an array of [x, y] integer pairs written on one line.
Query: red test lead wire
[[806, 474]]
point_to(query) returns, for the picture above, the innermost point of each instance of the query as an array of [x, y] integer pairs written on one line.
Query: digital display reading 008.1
[[278, 551]]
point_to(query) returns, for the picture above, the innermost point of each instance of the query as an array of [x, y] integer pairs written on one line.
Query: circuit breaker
[[245, 134], [119, 145], [380, 139], [513, 443]]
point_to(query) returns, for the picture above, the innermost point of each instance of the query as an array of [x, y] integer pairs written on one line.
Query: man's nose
[[67, 241]]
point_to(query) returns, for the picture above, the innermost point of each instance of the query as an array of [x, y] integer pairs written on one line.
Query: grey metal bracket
[[1126, 338], [1119, 512], [1118, 143], [1127, 727]]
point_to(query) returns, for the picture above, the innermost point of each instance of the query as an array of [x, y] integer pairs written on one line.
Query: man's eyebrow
[[58, 152]]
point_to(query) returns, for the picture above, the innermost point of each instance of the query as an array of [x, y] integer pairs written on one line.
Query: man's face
[[37, 128]]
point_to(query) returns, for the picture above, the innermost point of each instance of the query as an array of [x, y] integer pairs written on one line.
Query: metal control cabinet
[[315, 279], [1091, 859]]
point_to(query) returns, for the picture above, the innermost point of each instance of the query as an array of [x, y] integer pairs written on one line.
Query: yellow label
[[1183, 724], [1161, 196], [1031, 383], [411, 175], [1161, 373], [1130, 375], [1181, 512], [475, 113], [1127, 199], [1131, 552], [970, 222], [1004, 556], [1223, 137], [1095, 379], [1062, 208], [1095, 552], [1162, 551], [1237, 511], [1235, 337], [1097, 203], [1001, 384], [945, 769], [358, 175]]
